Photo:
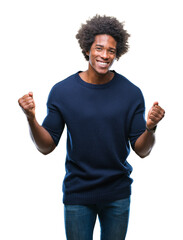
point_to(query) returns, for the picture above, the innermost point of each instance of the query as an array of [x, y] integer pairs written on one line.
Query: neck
[[91, 76]]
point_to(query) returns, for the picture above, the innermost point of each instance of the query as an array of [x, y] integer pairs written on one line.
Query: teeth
[[103, 63]]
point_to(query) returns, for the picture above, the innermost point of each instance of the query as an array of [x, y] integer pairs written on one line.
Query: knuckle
[[20, 101]]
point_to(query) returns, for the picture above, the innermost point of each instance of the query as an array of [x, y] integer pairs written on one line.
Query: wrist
[[151, 130], [31, 119]]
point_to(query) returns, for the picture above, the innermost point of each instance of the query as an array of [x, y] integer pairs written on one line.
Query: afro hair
[[103, 25]]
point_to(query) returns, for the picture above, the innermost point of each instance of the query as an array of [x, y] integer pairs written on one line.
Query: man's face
[[102, 53]]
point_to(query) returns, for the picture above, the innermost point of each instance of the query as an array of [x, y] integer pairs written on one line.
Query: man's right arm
[[39, 135]]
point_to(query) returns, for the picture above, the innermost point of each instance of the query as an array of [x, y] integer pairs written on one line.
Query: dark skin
[[101, 57], [145, 142], [39, 135]]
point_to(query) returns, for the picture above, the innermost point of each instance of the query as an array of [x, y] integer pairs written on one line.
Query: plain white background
[[37, 49]]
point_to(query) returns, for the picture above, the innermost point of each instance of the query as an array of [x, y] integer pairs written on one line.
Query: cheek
[[113, 61], [91, 58]]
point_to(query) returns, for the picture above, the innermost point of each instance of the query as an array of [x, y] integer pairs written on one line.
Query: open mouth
[[103, 64]]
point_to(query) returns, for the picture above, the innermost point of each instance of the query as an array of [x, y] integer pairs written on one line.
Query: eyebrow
[[99, 45]]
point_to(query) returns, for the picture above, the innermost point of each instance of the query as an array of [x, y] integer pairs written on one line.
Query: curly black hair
[[103, 25]]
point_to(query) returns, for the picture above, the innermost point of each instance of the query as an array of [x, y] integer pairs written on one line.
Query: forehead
[[104, 39]]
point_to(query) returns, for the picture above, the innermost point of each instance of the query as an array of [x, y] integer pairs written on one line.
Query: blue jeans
[[113, 217]]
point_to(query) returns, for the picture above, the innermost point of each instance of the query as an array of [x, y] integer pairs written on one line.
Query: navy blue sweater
[[102, 121]]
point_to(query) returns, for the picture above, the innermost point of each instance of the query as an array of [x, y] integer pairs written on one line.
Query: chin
[[102, 71]]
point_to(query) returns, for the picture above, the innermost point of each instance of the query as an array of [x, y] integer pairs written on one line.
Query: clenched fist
[[155, 115], [28, 105]]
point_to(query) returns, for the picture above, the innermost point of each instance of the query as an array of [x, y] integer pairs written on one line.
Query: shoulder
[[127, 85], [132, 94], [62, 88], [64, 85], [65, 82]]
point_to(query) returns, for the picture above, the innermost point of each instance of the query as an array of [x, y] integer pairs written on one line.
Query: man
[[104, 115]]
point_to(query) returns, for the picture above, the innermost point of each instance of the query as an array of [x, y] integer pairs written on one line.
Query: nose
[[104, 54]]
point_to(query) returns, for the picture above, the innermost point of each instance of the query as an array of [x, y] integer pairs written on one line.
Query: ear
[[87, 53]]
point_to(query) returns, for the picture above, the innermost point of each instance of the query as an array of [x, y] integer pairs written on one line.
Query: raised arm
[[39, 135], [145, 142]]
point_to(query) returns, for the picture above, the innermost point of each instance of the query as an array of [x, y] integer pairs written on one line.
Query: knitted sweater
[[102, 121]]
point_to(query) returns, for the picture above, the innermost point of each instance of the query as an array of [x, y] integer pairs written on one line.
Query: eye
[[112, 51], [98, 48]]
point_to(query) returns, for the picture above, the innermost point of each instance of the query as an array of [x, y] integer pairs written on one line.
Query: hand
[[28, 105], [156, 113]]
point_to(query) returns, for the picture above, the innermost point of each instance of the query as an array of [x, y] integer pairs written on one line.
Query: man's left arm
[[145, 142]]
